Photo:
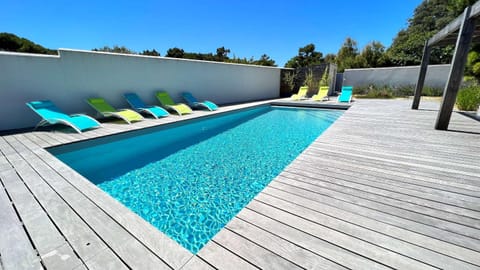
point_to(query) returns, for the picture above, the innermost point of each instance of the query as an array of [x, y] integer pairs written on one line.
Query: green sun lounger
[[52, 115], [138, 105], [346, 94], [322, 94], [168, 103], [194, 103], [106, 110], [302, 93]]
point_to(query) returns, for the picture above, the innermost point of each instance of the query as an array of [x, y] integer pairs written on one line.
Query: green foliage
[[175, 53], [221, 55], [472, 68], [349, 57], [373, 91], [115, 49], [428, 18], [13, 43], [374, 55], [289, 79], [264, 60], [325, 80], [309, 80], [379, 93], [432, 91], [468, 98], [387, 91], [307, 56], [403, 90], [153, 52], [346, 55], [330, 58]]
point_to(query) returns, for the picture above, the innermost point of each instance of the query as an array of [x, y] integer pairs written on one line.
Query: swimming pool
[[189, 179]]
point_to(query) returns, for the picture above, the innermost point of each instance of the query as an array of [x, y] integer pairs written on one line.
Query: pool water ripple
[[191, 194]]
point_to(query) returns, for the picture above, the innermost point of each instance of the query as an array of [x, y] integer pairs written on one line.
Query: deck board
[[54, 250], [280, 246], [16, 249], [379, 189]]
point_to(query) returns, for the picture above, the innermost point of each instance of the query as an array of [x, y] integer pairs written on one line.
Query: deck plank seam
[[377, 160], [353, 236], [232, 252], [106, 213], [45, 210], [376, 219], [335, 167], [419, 201], [316, 237], [464, 184], [373, 230], [401, 147], [286, 240], [436, 196], [383, 200], [393, 206], [193, 258], [12, 204], [256, 244]]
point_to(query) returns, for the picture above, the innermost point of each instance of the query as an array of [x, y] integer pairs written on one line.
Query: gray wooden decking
[[380, 189]]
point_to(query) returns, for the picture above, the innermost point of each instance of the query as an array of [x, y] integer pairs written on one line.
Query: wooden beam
[[421, 76], [446, 31], [453, 27], [456, 70]]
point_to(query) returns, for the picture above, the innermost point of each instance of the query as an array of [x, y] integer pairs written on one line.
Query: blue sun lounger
[[346, 94], [52, 115], [138, 105], [194, 103]]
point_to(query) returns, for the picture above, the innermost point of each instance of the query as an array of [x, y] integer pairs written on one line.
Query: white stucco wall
[[73, 76], [437, 76]]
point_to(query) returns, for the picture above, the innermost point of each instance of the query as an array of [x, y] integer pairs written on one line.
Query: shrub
[[387, 91], [404, 91], [468, 98], [373, 91], [432, 91], [379, 93], [309, 80], [325, 80], [289, 79]]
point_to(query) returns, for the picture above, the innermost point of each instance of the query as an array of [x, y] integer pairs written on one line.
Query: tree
[[13, 43], [175, 53], [264, 60], [307, 56], [374, 55], [347, 55], [115, 49], [153, 52], [330, 58], [428, 18], [222, 54]]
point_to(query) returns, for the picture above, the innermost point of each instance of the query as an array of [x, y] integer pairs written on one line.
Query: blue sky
[[248, 28]]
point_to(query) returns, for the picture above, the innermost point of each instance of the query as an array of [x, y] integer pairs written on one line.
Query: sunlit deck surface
[[380, 189]]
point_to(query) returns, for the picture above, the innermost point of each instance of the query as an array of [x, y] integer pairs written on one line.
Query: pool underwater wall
[[72, 76]]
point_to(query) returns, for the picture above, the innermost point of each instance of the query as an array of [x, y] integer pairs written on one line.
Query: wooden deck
[[380, 189]]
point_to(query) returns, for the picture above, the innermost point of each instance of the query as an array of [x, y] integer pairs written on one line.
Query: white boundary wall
[[437, 76], [73, 76]]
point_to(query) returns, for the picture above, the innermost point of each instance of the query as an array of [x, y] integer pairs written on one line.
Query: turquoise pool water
[[190, 179]]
